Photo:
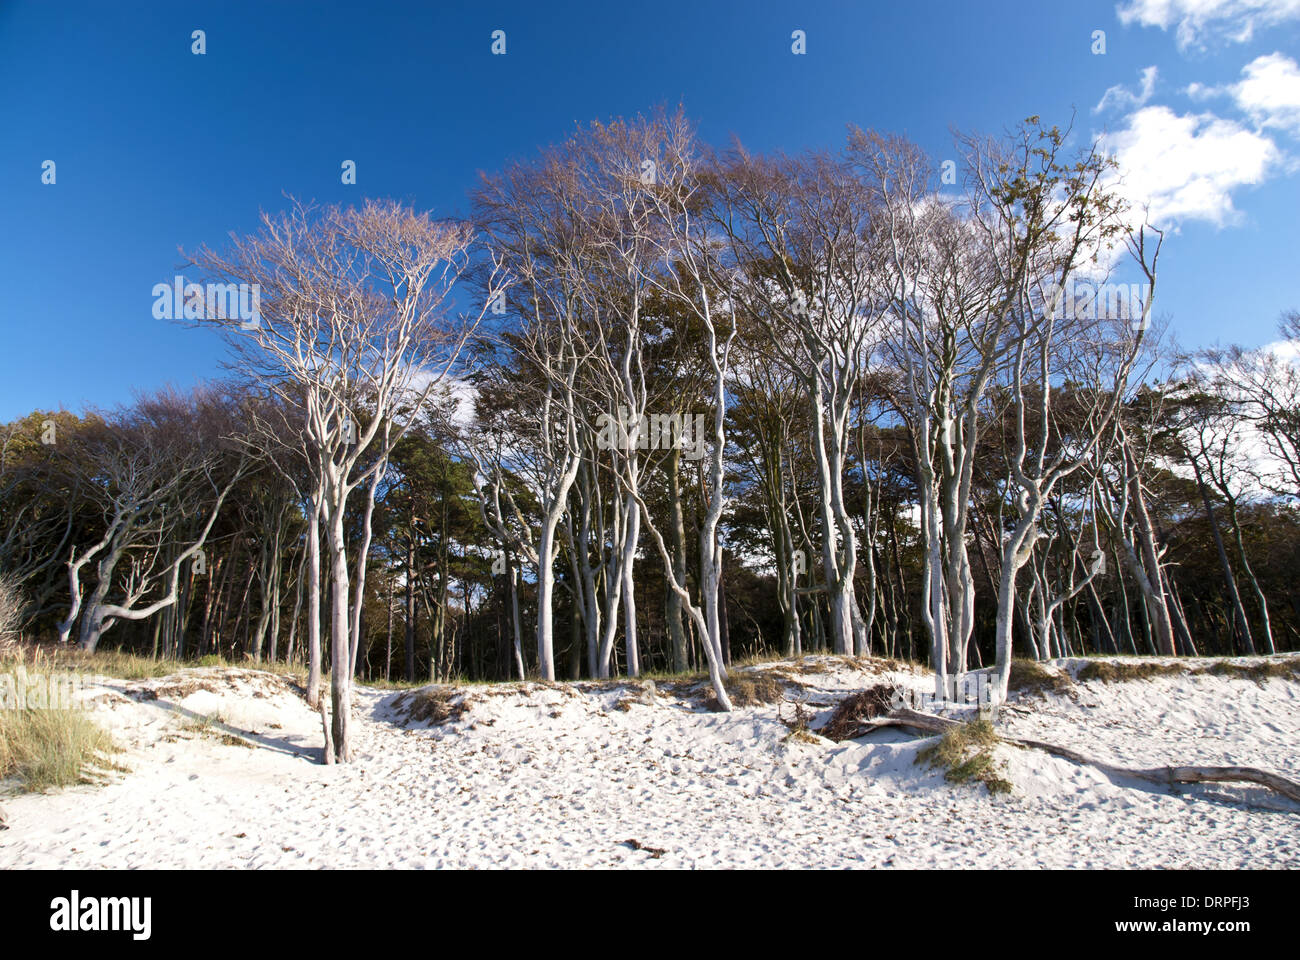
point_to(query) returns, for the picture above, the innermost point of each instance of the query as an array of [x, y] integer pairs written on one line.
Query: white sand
[[537, 776]]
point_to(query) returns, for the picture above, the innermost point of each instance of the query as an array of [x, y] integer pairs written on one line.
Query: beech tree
[[357, 328], [528, 215], [1052, 218], [149, 478], [950, 311], [804, 232]]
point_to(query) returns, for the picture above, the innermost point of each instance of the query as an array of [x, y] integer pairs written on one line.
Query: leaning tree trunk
[[92, 617], [1246, 568], [1229, 581], [1153, 583]]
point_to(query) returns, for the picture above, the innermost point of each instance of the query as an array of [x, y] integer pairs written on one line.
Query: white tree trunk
[[313, 600]]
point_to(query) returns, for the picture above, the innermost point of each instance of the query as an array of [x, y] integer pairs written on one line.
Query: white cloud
[[1120, 96], [1287, 351], [1186, 167], [1269, 92], [1196, 21]]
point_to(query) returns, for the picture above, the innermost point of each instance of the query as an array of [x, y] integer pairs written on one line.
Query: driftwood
[[1165, 776], [325, 725]]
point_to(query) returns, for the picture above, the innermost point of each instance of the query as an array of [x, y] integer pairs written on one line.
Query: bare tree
[[1049, 218], [688, 268], [151, 470], [1263, 385], [950, 311], [802, 231], [530, 215], [1215, 439], [357, 326]]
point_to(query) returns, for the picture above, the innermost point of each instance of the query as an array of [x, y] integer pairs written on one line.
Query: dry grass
[[1259, 670], [215, 727], [43, 749], [1029, 676], [379, 683], [966, 754], [810, 666], [891, 665], [802, 735], [688, 686], [643, 694], [129, 666], [750, 688], [11, 611], [179, 690], [1114, 671], [753, 688]]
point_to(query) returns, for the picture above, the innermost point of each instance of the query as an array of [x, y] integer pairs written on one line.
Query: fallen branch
[[904, 717], [1168, 776], [1165, 776]]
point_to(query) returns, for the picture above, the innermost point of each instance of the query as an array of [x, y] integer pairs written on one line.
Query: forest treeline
[[658, 407]]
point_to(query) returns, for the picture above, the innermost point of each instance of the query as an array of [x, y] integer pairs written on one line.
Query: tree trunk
[[629, 589], [340, 645], [515, 623], [313, 599], [1250, 577], [410, 608], [677, 529], [1229, 581], [1153, 583]]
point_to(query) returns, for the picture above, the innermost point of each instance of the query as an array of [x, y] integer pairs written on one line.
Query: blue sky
[[156, 147]]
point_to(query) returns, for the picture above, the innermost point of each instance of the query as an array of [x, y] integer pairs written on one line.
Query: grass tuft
[[750, 689], [44, 749], [214, 726], [966, 754], [1029, 676]]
